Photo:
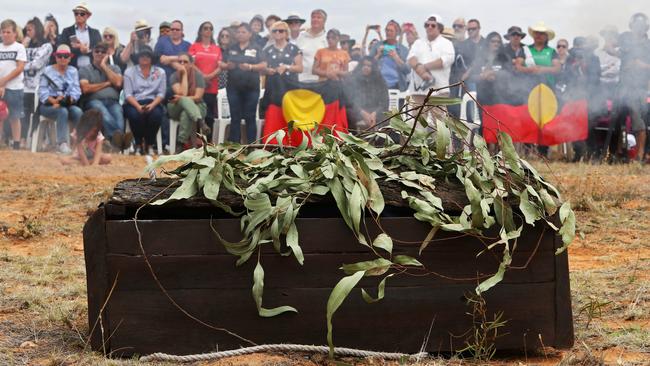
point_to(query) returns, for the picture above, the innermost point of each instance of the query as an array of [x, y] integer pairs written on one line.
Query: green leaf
[[509, 153], [258, 291], [405, 260], [481, 147], [356, 206], [380, 291], [342, 203], [443, 139], [498, 276], [376, 198], [568, 229], [531, 213], [213, 183], [187, 190], [549, 202], [336, 298], [292, 242], [427, 240], [259, 202], [434, 100], [374, 267], [384, 242]]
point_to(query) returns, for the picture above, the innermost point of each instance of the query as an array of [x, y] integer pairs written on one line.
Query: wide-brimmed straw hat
[[542, 28], [141, 25], [82, 7]]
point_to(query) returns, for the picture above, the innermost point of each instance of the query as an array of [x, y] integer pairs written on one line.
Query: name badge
[[250, 53]]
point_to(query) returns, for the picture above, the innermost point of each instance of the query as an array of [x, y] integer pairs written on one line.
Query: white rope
[[280, 348]]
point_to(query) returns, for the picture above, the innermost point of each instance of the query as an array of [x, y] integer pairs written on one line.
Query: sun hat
[[294, 17], [82, 7], [514, 30], [141, 25], [541, 28], [63, 49]]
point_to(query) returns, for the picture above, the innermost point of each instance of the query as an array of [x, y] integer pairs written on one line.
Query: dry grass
[[42, 278]]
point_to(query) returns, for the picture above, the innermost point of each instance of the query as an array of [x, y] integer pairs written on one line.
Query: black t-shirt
[[274, 57], [243, 79]]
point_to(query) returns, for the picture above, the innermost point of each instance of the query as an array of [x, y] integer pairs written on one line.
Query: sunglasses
[[80, 14], [108, 36], [183, 62], [278, 31], [562, 46], [458, 26], [224, 36], [63, 55], [208, 28], [430, 25]]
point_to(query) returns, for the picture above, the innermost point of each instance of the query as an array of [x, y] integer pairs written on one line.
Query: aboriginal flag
[[310, 106], [540, 118]]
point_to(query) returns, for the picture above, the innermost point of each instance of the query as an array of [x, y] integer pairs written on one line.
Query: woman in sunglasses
[[115, 48], [283, 61], [224, 39], [207, 57], [186, 105], [58, 93]]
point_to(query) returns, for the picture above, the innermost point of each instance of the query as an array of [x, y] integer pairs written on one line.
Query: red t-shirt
[[207, 60]]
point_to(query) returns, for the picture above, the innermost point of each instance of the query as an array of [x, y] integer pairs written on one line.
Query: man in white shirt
[[12, 63], [311, 41], [430, 59]]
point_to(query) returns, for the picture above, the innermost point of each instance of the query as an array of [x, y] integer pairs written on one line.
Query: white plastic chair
[[467, 98], [393, 99], [173, 129]]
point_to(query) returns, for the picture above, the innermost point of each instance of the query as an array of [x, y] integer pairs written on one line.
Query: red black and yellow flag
[[310, 106], [539, 119]]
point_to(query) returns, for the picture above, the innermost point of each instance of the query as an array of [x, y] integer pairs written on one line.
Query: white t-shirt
[[309, 44], [426, 51], [9, 55]]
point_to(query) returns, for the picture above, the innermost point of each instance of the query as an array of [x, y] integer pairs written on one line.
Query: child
[[88, 141], [12, 63]]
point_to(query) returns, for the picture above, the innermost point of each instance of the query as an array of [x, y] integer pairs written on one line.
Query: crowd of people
[[75, 75]]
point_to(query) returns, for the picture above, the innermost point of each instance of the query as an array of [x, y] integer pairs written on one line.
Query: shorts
[[638, 106], [14, 100]]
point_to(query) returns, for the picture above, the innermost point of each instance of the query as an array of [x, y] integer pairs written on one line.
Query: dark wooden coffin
[[197, 272]]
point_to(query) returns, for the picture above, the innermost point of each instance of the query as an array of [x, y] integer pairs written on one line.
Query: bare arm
[[88, 88], [82, 154], [114, 78], [98, 154]]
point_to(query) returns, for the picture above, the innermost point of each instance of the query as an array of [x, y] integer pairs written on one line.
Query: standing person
[[331, 63], [59, 92], [164, 29], [459, 29], [282, 61], [368, 95], [51, 29], [80, 37], [410, 34], [632, 91], [295, 22], [517, 85], [207, 58], [12, 64], [270, 20], [140, 38], [168, 48], [257, 25], [115, 48], [466, 53], [610, 67], [144, 88], [310, 41], [391, 56], [187, 104], [562, 49], [244, 62], [365, 47], [430, 59], [38, 51], [100, 84], [224, 41]]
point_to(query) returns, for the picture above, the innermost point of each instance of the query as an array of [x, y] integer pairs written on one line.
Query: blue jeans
[[243, 105], [111, 111], [62, 115], [144, 126]]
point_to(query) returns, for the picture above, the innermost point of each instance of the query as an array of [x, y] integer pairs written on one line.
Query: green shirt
[[544, 57]]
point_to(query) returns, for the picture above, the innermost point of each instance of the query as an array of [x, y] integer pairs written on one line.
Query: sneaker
[[118, 140], [64, 148]]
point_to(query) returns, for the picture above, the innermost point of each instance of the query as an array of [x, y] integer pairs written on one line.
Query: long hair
[[116, 38], [39, 32], [90, 119], [374, 68], [198, 34], [230, 34], [51, 18]]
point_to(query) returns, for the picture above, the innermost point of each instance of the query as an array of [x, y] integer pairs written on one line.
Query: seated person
[[58, 93], [368, 96], [101, 84], [187, 105]]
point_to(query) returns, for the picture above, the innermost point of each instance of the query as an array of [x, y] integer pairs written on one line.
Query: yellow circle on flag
[[304, 107], [542, 104]]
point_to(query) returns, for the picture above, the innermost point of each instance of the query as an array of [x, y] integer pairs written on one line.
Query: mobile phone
[[388, 48], [377, 27], [74, 39]]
